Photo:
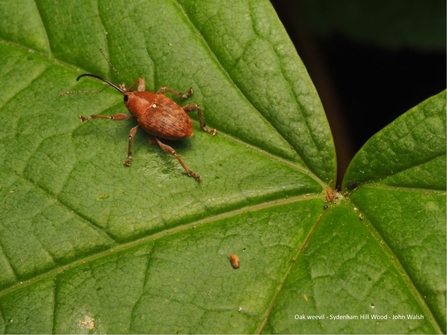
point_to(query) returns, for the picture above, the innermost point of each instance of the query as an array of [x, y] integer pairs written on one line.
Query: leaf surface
[[89, 245]]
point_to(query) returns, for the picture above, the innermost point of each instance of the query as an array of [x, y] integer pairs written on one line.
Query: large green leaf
[[89, 245]]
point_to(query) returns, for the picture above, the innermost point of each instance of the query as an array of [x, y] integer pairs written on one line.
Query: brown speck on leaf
[[329, 193], [234, 260], [87, 323]]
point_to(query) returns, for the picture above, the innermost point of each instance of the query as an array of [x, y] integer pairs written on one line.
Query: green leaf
[[381, 251], [89, 245]]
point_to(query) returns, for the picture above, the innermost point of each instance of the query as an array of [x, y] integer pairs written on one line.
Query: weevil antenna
[[110, 63]]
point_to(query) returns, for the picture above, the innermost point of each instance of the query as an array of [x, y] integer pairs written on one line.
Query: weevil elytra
[[157, 114]]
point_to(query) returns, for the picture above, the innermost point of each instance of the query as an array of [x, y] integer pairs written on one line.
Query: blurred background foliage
[[370, 60]]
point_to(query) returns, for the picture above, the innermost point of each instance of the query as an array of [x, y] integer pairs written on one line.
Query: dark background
[[369, 64]]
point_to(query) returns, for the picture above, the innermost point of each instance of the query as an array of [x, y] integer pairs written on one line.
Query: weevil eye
[[126, 98]]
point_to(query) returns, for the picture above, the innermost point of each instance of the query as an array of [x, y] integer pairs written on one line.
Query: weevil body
[[157, 114]]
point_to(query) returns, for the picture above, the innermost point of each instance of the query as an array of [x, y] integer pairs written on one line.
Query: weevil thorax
[[138, 102]]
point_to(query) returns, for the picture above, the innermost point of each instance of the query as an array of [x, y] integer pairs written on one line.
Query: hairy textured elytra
[[157, 114], [234, 260]]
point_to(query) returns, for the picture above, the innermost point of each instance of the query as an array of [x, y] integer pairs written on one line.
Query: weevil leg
[[171, 151], [194, 107], [132, 133], [141, 85], [116, 117], [186, 95], [189, 108]]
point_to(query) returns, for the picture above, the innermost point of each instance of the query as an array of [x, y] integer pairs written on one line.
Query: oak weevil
[[157, 114]]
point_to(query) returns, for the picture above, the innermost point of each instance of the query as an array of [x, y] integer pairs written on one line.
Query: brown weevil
[[157, 114]]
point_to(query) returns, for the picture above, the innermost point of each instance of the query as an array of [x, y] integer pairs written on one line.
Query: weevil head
[[134, 103], [126, 97]]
